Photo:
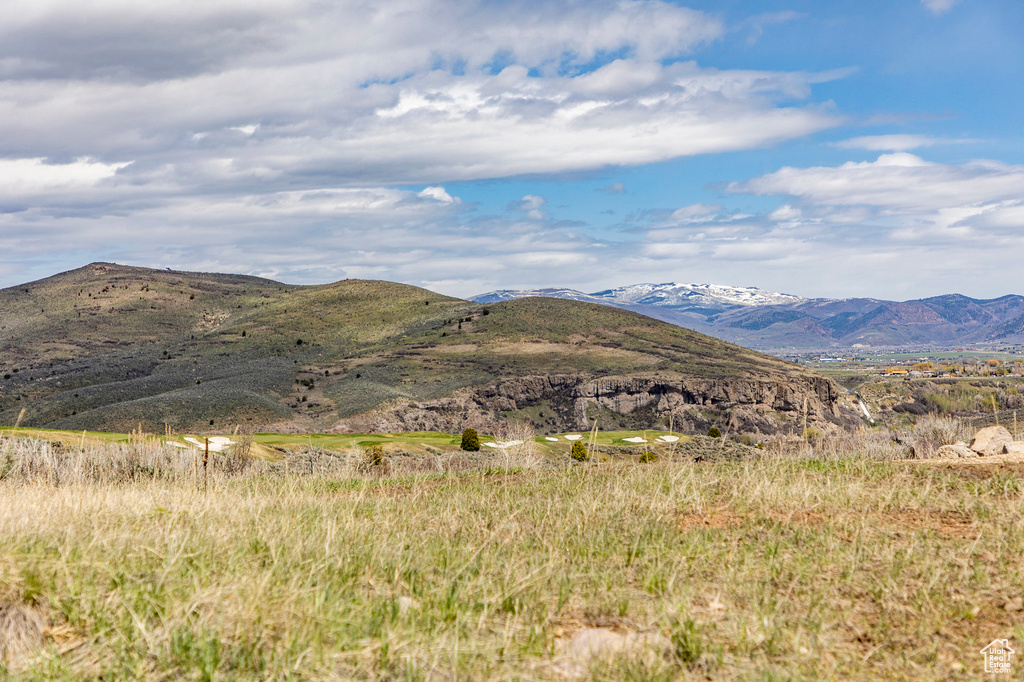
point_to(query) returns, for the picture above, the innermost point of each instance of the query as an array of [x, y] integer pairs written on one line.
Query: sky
[[818, 148]]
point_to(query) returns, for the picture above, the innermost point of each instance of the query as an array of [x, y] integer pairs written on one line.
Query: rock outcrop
[[570, 402]]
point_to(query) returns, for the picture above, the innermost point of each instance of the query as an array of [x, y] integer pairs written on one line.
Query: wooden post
[[593, 443], [206, 460]]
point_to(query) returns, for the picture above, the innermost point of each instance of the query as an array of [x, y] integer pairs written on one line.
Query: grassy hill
[[108, 347]]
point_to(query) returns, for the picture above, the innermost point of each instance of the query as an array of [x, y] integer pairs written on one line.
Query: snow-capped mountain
[[671, 295], [674, 295], [511, 294], [767, 319]]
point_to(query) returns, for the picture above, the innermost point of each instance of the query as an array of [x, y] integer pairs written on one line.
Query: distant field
[[801, 568], [414, 443]]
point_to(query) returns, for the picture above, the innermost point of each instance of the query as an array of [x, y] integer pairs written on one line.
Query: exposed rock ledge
[[749, 405]]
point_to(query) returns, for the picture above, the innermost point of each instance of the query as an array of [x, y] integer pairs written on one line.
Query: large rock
[[766, 405], [1015, 448], [955, 450], [991, 440]]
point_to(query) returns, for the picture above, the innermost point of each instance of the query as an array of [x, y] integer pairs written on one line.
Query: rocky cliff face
[[566, 402]]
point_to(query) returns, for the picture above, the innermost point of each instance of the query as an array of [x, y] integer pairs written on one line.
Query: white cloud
[[438, 194], [939, 7], [899, 143], [695, 213], [897, 227], [397, 93], [888, 142], [21, 178], [272, 136], [533, 206], [786, 213], [894, 184]]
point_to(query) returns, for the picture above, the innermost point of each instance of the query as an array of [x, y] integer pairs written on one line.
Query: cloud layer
[[902, 224], [259, 136]]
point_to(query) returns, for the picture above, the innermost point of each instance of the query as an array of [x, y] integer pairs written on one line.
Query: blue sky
[[816, 148]]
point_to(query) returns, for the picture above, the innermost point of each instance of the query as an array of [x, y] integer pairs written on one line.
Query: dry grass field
[[116, 563]]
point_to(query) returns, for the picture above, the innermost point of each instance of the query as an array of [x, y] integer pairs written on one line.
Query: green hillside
[[109, 347]]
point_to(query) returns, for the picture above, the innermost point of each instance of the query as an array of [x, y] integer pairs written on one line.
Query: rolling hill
[[111, 347], [768, 320]]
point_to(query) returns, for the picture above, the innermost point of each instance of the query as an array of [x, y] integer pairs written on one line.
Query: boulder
[[991, 440], [1015, 447], [955, 450]]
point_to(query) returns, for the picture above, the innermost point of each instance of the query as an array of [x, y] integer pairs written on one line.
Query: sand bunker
[[217, 443], [504, 444]]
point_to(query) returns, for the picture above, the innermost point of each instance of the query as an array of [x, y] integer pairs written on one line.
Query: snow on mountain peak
[[666, 295], [672, 294]]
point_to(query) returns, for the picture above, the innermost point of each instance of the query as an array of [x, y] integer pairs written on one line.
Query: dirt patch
[[570, 622], [952, 524], [719, 519], [979, 468], [1015, 460], [947, 523]]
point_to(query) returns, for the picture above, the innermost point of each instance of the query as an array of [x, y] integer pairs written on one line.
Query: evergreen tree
[[470, 440]]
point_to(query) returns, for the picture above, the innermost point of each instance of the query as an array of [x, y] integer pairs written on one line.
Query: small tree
[[374, 462], [470, 440], [374, 455], [714, 432], [579, 452]]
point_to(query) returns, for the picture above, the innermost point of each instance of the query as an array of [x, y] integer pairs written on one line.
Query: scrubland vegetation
[[824, 560]]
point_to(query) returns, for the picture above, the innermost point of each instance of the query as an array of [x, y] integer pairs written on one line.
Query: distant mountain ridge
[[763, 319], [673, 294], [113, 347]]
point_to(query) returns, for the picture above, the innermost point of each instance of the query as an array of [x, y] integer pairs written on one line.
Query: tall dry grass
[[525, 455], [807, 567]]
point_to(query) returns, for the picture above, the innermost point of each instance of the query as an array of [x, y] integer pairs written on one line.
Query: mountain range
[[111, 347], [769, 320]]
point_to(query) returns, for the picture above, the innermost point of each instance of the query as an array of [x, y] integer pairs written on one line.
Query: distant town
[[996, 361]]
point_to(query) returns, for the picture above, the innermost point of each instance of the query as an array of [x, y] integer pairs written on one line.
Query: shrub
[[714, 432], [579, 452], [374, 455], [374, 462], [470, 440], [812, 435], [524, 455], [648, 457], [931, 433], [941, 431]]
